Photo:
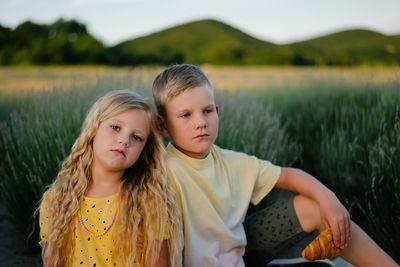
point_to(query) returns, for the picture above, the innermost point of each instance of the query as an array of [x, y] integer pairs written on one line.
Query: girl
[[111, 203]]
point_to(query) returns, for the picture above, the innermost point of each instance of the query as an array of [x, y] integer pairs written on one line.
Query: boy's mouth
[[201, 136], [120, 151]]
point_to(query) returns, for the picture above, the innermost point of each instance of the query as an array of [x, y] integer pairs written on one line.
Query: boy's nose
[[200, 122]]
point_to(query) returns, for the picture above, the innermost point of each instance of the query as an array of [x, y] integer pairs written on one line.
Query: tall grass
[[251, 127], [381, 205], [350, 141]]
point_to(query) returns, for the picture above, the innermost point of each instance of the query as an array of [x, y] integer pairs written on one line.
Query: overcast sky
[[278, 21]]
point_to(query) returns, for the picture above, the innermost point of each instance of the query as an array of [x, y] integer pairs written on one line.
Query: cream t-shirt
[[215, 194]]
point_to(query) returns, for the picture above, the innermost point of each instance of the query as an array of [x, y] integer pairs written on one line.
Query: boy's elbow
[[282, 180], [287, 178]]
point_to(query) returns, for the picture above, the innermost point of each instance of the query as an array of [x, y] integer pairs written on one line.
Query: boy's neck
[[192, 154]]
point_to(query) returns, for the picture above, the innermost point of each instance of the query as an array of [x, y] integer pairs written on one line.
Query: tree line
[[68, 42]]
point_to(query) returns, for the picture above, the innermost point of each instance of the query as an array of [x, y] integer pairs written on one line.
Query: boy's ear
[[162, 126], [217, 109]]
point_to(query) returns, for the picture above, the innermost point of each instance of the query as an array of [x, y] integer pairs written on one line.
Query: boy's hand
[[335, 216]]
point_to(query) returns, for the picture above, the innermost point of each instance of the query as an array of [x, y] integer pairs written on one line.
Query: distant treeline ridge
[[199, 42]]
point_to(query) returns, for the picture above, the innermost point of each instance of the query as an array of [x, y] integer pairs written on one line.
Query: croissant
[[321, 247]]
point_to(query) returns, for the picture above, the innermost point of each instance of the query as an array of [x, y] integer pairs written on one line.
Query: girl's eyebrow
[[135, 130], [138, 132], [114, 120]]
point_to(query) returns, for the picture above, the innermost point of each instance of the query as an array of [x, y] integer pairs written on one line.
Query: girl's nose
[[123, 142]]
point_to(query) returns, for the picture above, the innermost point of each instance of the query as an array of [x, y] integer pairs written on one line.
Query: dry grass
[[239, 78], [17, 80]]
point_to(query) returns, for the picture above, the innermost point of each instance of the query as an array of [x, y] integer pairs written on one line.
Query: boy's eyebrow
[[182, 111], [210, 106], [189, 109]]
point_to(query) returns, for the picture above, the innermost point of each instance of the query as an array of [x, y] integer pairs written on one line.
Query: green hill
[[199, 42], [352, 47], [205, 41], [211, 41]]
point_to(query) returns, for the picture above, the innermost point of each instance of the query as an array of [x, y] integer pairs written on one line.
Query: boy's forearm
[[162, 259], [331, 212], [303, 183]]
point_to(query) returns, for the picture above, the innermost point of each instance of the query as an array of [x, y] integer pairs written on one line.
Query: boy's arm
[[162, 259], [333, 213]]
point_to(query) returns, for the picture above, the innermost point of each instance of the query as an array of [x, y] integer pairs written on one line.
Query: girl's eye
[[137, 138], [115, 127]]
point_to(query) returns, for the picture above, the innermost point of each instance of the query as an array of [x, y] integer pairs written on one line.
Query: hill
[[198, 42], [351, 47], [205, 41], [211, 41]]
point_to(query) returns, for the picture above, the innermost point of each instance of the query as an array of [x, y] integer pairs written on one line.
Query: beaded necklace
[[93, 234]]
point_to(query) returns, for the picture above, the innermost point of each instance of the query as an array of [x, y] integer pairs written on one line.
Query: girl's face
[[120, 140]]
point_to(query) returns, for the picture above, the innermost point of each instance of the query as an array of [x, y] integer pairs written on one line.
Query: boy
[[216, 186]]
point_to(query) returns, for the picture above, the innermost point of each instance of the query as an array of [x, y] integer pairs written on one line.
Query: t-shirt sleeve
[[43, 220], [268, 175], [158, 234]]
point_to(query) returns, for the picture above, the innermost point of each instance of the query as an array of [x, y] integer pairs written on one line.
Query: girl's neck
[[103, 184]]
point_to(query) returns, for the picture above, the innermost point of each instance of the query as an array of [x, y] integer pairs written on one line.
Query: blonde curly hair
[[143, 183]]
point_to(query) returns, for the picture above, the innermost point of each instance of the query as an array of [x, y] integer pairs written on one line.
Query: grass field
[[340, 125], [17, 80]]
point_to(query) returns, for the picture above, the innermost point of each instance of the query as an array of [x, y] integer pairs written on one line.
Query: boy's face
[[192, 121]]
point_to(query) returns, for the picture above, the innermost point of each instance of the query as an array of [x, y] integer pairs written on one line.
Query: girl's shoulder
[[48, 197], [49, 194]]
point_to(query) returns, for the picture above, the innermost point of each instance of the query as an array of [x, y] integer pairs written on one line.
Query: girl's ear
[[162, 126]]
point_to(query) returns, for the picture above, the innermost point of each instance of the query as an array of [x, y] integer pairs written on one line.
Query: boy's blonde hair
[[173, 81], [143, 183]]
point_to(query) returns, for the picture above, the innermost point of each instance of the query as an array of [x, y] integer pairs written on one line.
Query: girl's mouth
[[120, 151]]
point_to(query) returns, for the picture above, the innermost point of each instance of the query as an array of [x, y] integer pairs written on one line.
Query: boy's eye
[[209, 110], [114, 127], [185, 115]]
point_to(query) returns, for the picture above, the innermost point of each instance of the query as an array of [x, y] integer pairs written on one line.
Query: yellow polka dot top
[[96, 216]]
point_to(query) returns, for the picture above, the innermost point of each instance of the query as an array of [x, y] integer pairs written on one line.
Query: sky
[[278, 21]]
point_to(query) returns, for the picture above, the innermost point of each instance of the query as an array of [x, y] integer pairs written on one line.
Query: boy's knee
[[308, 213]]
